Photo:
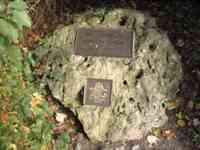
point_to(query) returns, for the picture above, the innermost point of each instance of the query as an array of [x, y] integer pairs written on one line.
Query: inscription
[[98, 92], [103, 42]]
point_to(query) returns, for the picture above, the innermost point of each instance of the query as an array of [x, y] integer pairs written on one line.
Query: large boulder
[[141, 84]]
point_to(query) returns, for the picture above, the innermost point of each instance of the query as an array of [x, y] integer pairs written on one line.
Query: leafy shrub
[[12, 19], [23, 113]]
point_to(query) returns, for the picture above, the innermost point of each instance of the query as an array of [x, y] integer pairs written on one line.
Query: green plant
[[13, 17], [24, 113], [63, 139]]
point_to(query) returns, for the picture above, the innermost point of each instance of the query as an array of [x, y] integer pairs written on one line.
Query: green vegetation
[[24, 113]]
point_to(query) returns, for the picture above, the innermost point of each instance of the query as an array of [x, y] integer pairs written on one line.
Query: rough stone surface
[[141, 84]]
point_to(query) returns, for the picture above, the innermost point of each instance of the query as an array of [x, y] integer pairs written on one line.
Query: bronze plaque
[[98, 92], [103, 42]]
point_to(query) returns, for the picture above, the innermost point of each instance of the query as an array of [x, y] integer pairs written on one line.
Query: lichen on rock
[[141, 84]]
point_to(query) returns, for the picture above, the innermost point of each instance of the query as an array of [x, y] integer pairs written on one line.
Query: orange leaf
[[169, 134], [4, 117]]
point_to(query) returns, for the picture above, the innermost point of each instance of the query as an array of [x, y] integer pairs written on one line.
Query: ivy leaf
[[63, 139], [31, 60], [2, 6], [21, 19], [15, 57], [2, 43], [8, 30], [17, 5]]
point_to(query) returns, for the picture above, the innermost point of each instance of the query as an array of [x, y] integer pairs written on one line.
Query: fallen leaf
[[169, 134], [60, 117], [14, 113], [59, 129], [152, 140], [4, 117], [180, 115], [34, 36], [157, 132], [25, 129], [180, 43], [36, 100], [180, 123], [12, 147], [196, 122], [44, 147], [136, 147], [171, 105]]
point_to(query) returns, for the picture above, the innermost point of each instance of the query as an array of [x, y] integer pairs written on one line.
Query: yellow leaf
[[36, 100], [157, 132], [12, 147], [180, 115], [171, 105], [180, 123], [44, 147]]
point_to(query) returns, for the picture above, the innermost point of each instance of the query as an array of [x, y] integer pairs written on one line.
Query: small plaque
[[103, 42], [98, 92]]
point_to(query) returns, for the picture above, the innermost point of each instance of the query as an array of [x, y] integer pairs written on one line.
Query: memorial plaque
[[103, 42], [98, 92]]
